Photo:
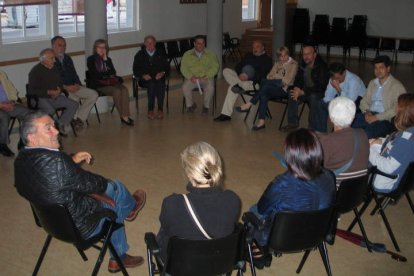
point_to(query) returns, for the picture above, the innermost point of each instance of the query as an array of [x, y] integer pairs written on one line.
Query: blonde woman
[[275, 85], [217, 209]]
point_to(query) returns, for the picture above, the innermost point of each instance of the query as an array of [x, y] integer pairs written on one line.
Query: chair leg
[[252, 268], [361, 226], [283, 117], [113, 107], [324, 254], [360, 212], [387, 224], [302, 262], [74, 130], [42, 255], [381, 200], [149, 263], [117, 258], [97, 113], [12, 121], [167, 91], [407, 195]]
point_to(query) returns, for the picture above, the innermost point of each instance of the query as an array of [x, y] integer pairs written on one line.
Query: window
[[24, 22], [71, 16], [119, 14], [248, 10]]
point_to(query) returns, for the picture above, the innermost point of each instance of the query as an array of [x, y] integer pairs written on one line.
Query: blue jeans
[[375, 129], [124, 203], [156, 89], [269, 89], [313, 101]]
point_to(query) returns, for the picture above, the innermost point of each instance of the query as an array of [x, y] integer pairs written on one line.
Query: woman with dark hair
[[305, 186], [102, 77], [393, 154]]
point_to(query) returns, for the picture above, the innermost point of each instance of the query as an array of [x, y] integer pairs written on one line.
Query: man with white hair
[[341, 159]]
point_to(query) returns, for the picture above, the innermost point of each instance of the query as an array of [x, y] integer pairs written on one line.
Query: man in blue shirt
[[342, 83]]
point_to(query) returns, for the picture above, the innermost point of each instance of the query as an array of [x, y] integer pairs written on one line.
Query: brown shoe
[[128, 261], [160, 115], [140, 197], [151, 115]]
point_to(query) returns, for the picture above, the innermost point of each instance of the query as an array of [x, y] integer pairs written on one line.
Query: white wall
[[166, 19]]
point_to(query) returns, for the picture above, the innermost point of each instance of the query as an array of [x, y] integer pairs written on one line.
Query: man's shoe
[[239, 109], [255, 128], [151, 115], [78, 123], [288, 128], [129, 262], [192, 108], [222, 118], [237, 89], [140, 197], [4, 150], [204, 111], [160, 115]]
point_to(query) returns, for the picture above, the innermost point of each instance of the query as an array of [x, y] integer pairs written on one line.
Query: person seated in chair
[[305, 186], [199, 66], [253, 67], [342, 83], [71, 82], [393, 154], [103, 78], [309, 87], [150, 68], [340, 145], [217, 210], [8, 107], [275, 86], [45, 175], [46, 83], [379, 103]]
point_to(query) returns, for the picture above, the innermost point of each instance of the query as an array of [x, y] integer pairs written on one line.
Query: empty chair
[[185, 45], [405, 46], [320, 30], [300, 26], [231, 46], [57, 222], [388, 45], [370, 43], [357, 33], [174, 53], [337, 35], [197, 257]]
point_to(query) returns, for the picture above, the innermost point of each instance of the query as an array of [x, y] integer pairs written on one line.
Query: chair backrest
[[351, 193], [173, 50], [160, 46], [406, 183], [56, 220], [185, 46], [204, 257], [406, 45], [297, 231], [387, 44]]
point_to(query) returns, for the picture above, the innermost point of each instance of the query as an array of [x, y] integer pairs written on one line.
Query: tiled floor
[[148, 156]]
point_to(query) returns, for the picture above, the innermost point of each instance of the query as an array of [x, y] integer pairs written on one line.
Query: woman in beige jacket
[[274, 86]]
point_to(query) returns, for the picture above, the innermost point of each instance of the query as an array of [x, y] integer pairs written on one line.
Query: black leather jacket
[[45, 177], [319, 76]]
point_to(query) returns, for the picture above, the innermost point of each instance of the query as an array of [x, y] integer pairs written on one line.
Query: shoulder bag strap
[[195, 219]]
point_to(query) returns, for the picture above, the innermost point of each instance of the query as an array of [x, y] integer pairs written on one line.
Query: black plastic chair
[[337, 35], [231, 46], [356, 33], [136, 86], [185, 45], [57, 222], [321, 30], [350, 195], [370, 43], [388, 45], [300, 26], [88, 84], [197, 257], [405, 46], [174, 53], [295, 232], [383, 199]]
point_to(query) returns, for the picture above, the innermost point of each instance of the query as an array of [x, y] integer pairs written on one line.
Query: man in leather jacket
[[309, 86], [45, 175]]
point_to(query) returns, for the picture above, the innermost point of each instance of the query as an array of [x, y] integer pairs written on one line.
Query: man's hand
[[53, 93], [82, 156], [159, 75], [194, 79], [73, 88], [295, 93], [375, 141], [335, 84], [7, 106], [243, 77], [370, 118], [146, 77]]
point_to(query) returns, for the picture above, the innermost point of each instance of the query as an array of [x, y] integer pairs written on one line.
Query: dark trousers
[[313, 100], [269, 89], [375, 129], [156, 89], [322, 113]]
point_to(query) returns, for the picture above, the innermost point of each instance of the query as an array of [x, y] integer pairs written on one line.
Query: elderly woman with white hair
[[217, 210], [346, 150]]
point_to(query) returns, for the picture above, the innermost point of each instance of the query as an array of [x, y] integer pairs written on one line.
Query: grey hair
[[26, 125], [342, 111], [202, 164], [150, 37], [43, 53]]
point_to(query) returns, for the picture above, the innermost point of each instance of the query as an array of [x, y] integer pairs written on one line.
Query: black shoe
[[239, 109], [192, 108], [222, 118], [289, 128], [128, 122], [255, 128], [237, 89], [4, 150]]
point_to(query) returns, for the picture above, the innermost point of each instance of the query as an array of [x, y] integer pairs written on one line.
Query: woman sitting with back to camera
[[393, 154], [305, 186], [218, 210], [102, 77]]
